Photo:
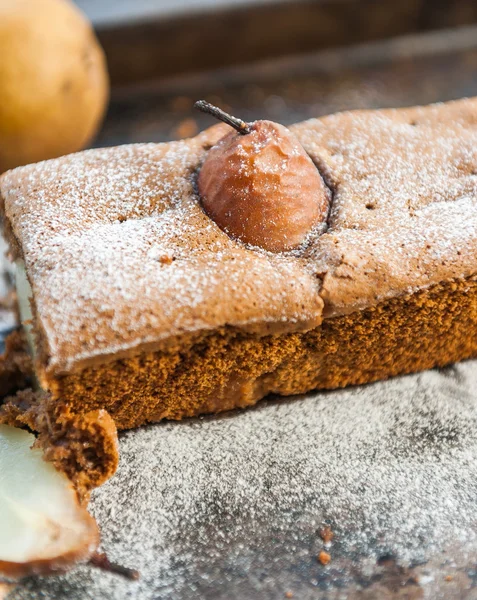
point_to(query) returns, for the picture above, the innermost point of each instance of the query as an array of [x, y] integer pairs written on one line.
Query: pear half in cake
[[43, 527], [45, 483]]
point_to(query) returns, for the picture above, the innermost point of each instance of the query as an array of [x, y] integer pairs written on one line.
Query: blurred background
[[277, 59], [285, 60]]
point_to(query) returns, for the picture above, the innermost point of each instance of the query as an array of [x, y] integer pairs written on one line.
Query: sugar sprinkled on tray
[[233, 507]]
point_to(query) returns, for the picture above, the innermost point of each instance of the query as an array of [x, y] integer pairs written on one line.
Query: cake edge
[[227, 369]]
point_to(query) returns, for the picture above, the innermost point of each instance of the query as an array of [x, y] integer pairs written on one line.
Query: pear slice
[[43, 528]]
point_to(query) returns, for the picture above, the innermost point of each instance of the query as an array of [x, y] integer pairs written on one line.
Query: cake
[[143, 306]]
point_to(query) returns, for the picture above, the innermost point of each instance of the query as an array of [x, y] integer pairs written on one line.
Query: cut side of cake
[[143, 306]]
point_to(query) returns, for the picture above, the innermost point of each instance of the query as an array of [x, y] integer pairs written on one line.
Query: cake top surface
[[122, 258]]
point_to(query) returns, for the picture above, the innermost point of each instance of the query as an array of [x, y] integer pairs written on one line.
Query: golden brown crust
[[99, 263], [404, 210], [229, 369]]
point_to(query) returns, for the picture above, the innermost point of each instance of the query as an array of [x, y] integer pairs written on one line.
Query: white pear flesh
[[43, 528], [24, 294]]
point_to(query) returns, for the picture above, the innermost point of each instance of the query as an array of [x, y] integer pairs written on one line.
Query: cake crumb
[[165, 259], [16, 366], [323, 557], [82, 446], [326, 534]]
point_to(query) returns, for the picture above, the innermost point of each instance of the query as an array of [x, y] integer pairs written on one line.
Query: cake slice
[[143, 306]]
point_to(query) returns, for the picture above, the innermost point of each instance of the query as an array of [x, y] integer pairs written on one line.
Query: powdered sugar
[[404, 216], [231, 507], [404, 212], [92, 226]]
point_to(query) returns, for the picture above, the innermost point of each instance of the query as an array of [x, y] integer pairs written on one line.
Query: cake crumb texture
[[16, 365], [82, 446], [230, 369]]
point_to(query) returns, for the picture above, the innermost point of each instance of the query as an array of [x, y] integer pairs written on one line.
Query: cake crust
[[229, 369], [129, 275]]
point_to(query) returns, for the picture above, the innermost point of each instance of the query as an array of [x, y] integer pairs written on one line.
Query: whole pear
[[53, 81]]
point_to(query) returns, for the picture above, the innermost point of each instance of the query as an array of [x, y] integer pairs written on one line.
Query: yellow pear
[[53, 81]]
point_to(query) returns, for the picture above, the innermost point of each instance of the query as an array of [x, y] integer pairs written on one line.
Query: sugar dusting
[[92, 226], [404, 212], [232, 507]]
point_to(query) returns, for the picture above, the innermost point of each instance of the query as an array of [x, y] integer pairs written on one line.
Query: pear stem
[[241, 126], [101, 561]]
